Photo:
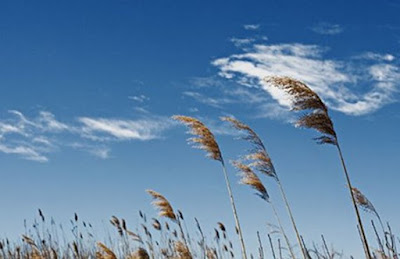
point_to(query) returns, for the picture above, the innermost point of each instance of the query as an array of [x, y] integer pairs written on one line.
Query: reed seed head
[[141, 253], [363, 202], [250, 134], [248, 177], [107, 252], [163, 205], [204, 139], [305, 99], [261, 160], [182, 250]]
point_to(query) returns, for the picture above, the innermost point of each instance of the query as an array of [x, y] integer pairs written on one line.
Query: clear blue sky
[[87, 89]]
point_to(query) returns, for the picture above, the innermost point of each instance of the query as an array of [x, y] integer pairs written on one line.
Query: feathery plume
[[182, 250], [248, 177], [305, 99], [261, 160], [141, 253], [162, 204], [107, 251], [363, 202], [317, 118], [203, 139], [250, 136]]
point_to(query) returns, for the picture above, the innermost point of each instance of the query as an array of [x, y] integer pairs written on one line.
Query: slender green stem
[[239, 229], [361, 228]]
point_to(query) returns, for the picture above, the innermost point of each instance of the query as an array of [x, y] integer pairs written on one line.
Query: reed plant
[[204, 139], [316, 117]]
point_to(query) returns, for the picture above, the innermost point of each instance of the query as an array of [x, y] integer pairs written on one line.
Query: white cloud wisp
[[352, 88]]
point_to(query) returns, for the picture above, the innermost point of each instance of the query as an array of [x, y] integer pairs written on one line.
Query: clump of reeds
[[166, 210], [316, 117], [204, 139], [261, 161], [249, 178]]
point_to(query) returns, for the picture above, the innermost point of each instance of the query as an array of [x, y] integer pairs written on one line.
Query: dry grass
[[156, 238]]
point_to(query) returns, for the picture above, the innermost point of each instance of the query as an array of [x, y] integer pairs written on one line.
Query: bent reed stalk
[[204, 139], [263, 163], [248, 177], [317, 118]]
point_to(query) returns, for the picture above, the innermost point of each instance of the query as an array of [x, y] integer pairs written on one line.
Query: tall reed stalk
[[363, 202], [205, 140], [263, 163], [248, 177], [317, 117]]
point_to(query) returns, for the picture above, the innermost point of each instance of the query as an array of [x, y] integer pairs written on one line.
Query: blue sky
[[88, 87]]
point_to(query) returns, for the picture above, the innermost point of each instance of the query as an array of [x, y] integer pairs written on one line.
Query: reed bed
[[166, 235]]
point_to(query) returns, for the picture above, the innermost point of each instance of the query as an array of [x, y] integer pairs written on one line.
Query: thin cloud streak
[[35, 138], [325, 28], [143, 129], [251, 27]]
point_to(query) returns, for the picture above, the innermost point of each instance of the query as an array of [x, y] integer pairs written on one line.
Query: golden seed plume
[[305, 99], [261, 160], [182, 250], [204, 139], [248, 177], [141, 253], [162, 204], [107, 253], [250, 136]]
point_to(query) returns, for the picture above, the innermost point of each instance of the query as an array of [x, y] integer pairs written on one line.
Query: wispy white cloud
[[6, 128], [97, 150], [335, 81], [204, 82], [45, 122], [35, 138], [211, 101], [101, 152], [325, 28], [240, 42], [142, 129], [139, 98], [24, 151], [376, 56], [251, 27]]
